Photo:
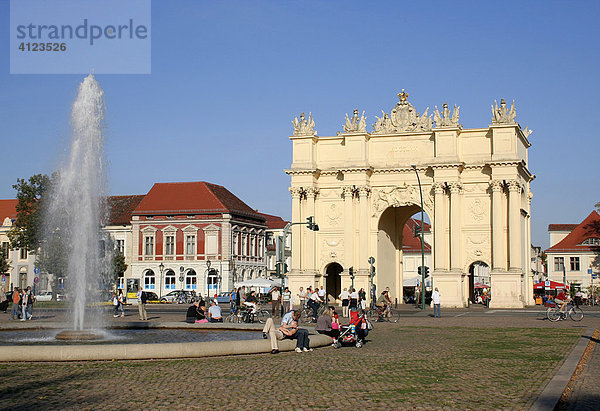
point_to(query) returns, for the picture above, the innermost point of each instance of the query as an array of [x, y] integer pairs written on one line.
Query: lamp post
[[310, 223], [372, 275], [207, 274], [351, 274], [181, 270], [161, 269], [422, 242]]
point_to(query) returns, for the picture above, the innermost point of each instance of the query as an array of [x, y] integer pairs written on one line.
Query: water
[[151, 336], [73, 218]]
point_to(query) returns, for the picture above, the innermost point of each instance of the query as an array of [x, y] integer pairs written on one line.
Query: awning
[[412, 282], [479, 286], [549, 285]]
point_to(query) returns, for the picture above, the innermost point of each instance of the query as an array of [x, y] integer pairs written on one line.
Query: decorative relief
[[502, 115], [348, 191], [478, 210], [403, 117], [355, 124], [394, 197], [439, 188], [478, 247], [444, 119], [455, 187], [311, 192], [363, 191], [296, 192], [333, 215], [332, 250], [304, 127]]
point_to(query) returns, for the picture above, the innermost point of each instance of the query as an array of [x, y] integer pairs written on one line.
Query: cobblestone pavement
[[583, 391], [456, 362]]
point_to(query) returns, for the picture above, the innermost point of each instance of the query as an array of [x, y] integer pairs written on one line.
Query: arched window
[[149, 280], [170, 280], [591, 241], [212, 281], [191, 282]]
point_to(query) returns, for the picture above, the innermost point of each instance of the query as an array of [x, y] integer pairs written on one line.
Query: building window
[[190, 280], [120, 246], [149, 245], [23, 254], [212, 243], [169, 245], [559, 263], [149, 280], [190, 244], [5, 249], [591, 241], [574, 263], [170, 280]]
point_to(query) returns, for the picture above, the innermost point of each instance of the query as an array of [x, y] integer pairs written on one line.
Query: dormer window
[[591, 241]]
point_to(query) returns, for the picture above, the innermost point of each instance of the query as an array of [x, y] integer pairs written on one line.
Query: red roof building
[[574, 256]]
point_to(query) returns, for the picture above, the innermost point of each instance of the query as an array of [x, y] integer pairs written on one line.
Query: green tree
[[26, 231], [4, 264], [118, 265]]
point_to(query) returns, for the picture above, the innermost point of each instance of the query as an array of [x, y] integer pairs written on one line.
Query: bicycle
[[245, 315], [306, 315], [555, 314], [383, 314]]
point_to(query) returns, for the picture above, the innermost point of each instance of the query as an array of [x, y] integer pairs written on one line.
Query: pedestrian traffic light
[[311, 223], [426, 271]]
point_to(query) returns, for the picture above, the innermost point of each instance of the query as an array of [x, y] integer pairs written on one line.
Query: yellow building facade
[[362, 187]]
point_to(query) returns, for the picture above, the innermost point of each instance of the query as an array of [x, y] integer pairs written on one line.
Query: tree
[[4, 264], [118, 265], [26, 231]]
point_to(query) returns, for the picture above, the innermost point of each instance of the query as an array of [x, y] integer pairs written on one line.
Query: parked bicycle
[[247, 315], [556, 314]]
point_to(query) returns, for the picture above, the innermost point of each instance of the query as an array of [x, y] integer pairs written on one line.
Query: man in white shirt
[[322, 293], [435, 296], [275, 301], [313, 303], [214, 313]]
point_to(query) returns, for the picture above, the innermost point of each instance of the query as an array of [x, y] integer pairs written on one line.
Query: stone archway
[[475, 186], [333, 282]]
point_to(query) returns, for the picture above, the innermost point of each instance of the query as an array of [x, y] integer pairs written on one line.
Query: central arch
[[333, 282], [391, 246]]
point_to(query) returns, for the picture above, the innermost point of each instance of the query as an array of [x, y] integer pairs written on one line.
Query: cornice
[[302, 172]]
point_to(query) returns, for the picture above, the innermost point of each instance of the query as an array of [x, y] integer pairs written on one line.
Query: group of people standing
[[22, 303], [281, 301]]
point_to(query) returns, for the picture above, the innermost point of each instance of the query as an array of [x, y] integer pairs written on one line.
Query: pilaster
[[310, 236], [363, 246], [348, 194], [455, 244], [296, 193], [514, 224], [498, 245], [441, 226]]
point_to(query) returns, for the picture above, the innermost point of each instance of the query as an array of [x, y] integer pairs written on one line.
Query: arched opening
[[149, 280], [191, 280], [170, 280], [333, 284], [212, 282], [479, 281], [399, 253]]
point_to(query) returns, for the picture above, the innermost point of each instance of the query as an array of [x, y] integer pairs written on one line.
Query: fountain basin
[[144, 351]]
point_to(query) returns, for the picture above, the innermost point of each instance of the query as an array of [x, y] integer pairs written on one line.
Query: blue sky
[[228, 77]]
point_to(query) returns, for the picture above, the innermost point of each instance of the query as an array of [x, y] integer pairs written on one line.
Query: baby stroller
[[355, 332]]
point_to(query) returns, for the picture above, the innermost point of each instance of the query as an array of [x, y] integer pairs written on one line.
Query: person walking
[[362, 297], [436, 303], [142, 299], [24, 302], [233, 297], [121, 303], [287, 300], [16, 299], [30, 301], [115, 305], [345, 297], [275, 301]]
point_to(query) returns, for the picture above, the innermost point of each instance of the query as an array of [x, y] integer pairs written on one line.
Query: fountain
[[72, 223], [74, 209]]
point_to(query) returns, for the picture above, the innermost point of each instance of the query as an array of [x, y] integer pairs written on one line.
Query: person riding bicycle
[[313, 303], [251, 302], [561, 300], [382, 303]]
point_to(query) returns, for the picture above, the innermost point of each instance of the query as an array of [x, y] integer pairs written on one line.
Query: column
[[348, 194], [296, 240], [455, 245], [514, 224], [498, 255], [440, 244], [363, 235], [310, 236]]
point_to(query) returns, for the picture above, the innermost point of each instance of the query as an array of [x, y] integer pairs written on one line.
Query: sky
[[228, 77]]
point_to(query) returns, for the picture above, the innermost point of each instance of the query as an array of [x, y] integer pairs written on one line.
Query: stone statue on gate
[[502, 115], [355, 124], [444, 119], [304, 127]]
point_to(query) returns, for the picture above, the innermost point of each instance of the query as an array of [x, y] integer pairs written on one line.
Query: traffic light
[[426, 271], [281, 269], [420, 270], [311, 224], [372, 271], [351, 271], [416, 230]]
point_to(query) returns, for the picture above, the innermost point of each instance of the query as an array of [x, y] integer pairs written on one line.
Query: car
[[44, 296], [152, 298], [179, 296]]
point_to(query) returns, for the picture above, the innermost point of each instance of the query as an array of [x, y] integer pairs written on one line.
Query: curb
[[557, 385]]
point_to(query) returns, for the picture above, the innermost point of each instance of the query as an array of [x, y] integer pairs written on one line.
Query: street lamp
[[208, 263], [422, 242], [161, 268], [181, 270]]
